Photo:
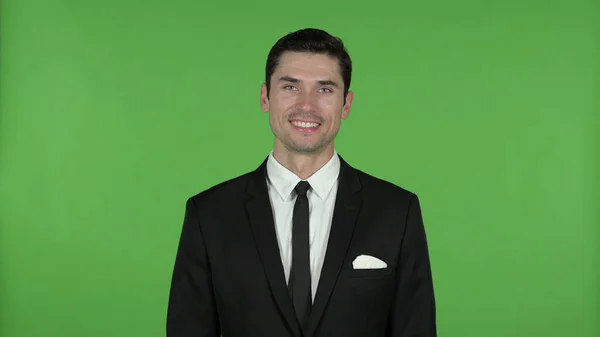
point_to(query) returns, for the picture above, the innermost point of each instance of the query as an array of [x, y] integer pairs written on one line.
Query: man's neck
[[303, 165]]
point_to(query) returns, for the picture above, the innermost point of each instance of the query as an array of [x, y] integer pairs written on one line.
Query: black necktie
[[299, 282]]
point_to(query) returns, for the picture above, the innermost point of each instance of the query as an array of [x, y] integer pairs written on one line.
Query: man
[[305, 245]]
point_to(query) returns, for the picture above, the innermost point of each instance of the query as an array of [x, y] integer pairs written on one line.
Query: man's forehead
[[307, 65]]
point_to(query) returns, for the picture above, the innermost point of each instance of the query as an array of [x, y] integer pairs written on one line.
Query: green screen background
[[113, 113]]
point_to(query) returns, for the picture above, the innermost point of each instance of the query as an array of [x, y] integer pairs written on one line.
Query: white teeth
[[305, 125]]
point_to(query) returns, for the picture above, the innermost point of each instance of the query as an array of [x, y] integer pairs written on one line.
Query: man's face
[[306, 102]]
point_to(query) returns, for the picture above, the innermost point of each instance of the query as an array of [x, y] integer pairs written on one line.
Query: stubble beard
[[306, 148]]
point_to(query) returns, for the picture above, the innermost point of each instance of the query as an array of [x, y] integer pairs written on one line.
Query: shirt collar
[[284, 181]]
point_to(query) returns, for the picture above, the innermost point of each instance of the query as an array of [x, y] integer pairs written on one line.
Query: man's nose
[[308, 100]]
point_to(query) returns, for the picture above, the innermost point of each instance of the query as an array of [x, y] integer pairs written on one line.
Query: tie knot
[[302, 188]]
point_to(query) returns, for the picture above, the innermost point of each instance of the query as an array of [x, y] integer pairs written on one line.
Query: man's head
[[306, 90]]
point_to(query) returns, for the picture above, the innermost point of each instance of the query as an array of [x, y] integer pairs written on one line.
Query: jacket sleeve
[[191, 307], [413, 313]]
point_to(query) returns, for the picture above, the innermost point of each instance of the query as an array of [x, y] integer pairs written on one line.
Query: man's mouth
[[305, 126]]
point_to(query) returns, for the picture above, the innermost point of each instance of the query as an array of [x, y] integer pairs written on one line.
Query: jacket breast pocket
[[366, 290], [367, 273]]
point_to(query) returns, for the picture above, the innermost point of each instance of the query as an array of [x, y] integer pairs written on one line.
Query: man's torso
[[237, 222]]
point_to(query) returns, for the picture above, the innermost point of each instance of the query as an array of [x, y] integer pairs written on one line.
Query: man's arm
[[192, 310], [413, 312]]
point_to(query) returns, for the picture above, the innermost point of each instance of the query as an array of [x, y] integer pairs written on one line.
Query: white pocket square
[[368, 262]]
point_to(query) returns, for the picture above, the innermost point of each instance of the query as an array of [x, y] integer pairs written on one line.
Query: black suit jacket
[[228, 278]]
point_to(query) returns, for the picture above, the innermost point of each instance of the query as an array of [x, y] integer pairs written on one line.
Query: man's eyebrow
[[295, 80], [328, 82], [288, 79]]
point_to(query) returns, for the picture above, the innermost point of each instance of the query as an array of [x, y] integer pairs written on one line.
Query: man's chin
[[304, 148]]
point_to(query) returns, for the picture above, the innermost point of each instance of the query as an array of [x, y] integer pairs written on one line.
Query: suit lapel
[[260, 215], [346, 210]]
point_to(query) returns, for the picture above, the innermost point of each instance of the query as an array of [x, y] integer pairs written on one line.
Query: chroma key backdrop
[[114, 112]]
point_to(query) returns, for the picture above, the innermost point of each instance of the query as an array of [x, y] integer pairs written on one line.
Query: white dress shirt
[[321, 198]]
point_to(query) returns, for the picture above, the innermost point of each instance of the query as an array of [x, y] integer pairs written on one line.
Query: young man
[[305, 245]]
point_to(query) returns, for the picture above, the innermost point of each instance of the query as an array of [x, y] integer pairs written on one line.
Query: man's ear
[[264, 99], [348, 104]]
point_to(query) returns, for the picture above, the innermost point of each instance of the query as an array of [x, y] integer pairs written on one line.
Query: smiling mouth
[[305, 127]]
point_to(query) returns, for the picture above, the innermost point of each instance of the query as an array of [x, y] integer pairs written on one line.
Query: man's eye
[[289, 87], [325, 90]]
